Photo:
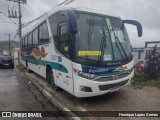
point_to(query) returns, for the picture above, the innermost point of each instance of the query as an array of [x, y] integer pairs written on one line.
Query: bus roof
[[65, 7], [84, 9], [72, 7]]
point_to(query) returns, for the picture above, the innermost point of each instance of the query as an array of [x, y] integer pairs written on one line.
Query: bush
[[141, 80], [152, 69]]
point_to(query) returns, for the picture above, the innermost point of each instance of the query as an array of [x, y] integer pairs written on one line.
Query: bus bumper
[[88, 88]]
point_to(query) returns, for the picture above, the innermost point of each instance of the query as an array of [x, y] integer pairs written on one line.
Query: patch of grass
[[141, 80], [157, 85], [21, 67], [84, 118]]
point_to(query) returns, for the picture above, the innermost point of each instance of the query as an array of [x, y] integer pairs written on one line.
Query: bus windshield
[[101, 38]]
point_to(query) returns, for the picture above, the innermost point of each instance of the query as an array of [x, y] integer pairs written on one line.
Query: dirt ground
[[127, 99]]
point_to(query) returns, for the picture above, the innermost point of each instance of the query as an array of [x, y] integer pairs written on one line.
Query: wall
[[140, 58], [15, 53]]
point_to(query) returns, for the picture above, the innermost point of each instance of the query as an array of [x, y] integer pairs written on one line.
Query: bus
[[83, 51]]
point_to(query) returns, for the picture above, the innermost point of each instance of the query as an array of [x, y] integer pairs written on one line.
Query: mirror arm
[[71, 20], [137, 24]]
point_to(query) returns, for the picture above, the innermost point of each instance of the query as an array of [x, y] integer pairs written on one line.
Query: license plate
[[114, 90], [6, 64]]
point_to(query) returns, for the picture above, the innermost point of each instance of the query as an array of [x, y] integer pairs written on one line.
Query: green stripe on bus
[[54, 65]]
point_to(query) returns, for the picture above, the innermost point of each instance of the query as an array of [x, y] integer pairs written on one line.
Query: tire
[[28, 70], [50, 78], [12, 66]]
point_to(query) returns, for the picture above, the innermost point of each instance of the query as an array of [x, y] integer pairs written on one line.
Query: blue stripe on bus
[[54, 65]]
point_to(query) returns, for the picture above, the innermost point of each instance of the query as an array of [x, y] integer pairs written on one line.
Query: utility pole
[[9, 36], [13, 14], [20, 20]]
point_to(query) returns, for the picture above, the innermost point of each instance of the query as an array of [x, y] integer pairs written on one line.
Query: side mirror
[[137, 24]]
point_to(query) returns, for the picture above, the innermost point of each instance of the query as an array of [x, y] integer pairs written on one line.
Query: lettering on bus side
[[56, 58], [107, 70], [53, 57], [98, 70]]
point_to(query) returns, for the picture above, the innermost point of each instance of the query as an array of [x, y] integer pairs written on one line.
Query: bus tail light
[[85, 75]]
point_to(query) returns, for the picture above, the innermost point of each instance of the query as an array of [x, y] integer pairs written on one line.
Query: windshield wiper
[[90, 31], [118, 42], [103, 43]]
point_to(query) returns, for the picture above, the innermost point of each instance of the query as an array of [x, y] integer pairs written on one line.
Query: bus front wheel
[[50, 78]]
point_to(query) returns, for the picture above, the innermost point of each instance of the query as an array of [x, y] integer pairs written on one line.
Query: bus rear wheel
[[50, 78]]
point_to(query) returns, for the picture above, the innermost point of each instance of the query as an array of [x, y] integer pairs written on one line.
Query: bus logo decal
[[120, 69], [98, 70], [59, 59], [116, 77], [37, 54], [43, 50]]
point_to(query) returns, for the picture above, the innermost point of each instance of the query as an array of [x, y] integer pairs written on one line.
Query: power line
[[19, 16], [14, 37], [65, 2], [62, 3], [33, 20], [6, 22], [13, 6], [13, 14], [9, 18]]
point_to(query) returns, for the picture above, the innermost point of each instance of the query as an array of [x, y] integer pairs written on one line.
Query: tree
[[153, 64]]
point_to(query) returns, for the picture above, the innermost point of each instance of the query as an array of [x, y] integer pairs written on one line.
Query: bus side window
[[43, 34], [23, 43], [30, 39], [35, 37], [26, 42], [64, 44]]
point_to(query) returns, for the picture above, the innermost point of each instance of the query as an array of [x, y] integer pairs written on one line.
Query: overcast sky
[[147, 12]]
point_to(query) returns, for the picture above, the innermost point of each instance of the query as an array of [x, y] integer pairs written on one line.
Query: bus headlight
[[85, 75]]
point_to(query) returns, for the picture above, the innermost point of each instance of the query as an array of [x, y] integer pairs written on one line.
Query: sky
[[147, 12]]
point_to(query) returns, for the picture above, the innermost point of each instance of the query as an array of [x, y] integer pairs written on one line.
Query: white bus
[[83, 51]]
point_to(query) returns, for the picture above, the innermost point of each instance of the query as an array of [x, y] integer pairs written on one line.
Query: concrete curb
[[69, 114]]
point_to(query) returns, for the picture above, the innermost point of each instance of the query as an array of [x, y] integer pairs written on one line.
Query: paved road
[[18, 95]]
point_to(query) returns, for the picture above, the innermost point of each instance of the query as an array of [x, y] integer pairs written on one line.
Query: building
[[141, 56], [16, 53]]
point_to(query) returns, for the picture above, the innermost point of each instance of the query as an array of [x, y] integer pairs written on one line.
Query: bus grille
[[110, 86], [114, 77]]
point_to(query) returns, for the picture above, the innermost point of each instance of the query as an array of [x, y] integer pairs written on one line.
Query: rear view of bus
[[103, 61]]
